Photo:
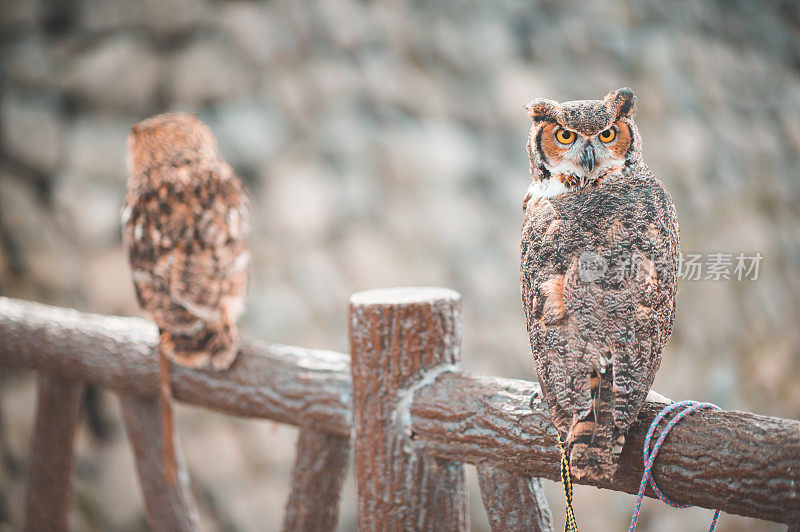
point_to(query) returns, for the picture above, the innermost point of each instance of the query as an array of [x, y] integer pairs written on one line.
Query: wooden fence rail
[[48, 497], [738, 462]]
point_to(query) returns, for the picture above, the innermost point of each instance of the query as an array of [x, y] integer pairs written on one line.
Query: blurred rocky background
[[383, 144]]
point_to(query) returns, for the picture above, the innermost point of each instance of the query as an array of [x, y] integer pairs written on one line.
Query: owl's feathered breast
[[599, 278]]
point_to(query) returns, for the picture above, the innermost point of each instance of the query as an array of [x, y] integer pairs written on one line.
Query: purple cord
[[650, 456]]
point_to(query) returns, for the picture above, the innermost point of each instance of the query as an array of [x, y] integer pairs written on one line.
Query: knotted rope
[[650, 456]]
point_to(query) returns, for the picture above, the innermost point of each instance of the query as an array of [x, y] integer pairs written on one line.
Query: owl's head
[[580, 143], [169, 139]]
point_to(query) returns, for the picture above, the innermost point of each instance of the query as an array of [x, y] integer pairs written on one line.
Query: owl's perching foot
[[534, 399]]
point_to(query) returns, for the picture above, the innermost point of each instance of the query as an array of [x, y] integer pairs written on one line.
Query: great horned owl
[[184, 224], [599, 261]]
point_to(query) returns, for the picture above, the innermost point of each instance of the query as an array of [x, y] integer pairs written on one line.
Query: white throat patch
[[547, 188]]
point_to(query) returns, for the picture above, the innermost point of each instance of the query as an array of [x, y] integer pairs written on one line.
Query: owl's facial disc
[[576, 144]]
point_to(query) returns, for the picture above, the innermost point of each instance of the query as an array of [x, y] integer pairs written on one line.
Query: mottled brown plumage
[[599, 259], [184, 225]]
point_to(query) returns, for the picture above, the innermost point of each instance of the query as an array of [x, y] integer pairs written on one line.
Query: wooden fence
[[414, 419]]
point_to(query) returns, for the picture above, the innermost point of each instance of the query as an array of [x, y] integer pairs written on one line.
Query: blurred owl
[[599, 264], [185, 221]]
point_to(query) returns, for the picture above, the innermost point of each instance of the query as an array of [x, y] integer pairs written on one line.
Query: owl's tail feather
[[168, 439], [594, 442], [215, 345]]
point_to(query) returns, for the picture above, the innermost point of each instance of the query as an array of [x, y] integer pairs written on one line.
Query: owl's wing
[[186, 246], [651, 287], [558, 347]]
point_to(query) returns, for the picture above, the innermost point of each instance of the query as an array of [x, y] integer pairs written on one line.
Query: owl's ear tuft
[[623, 101], [542, 110]]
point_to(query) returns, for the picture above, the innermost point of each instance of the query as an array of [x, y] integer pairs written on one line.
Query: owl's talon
[[534, 397]]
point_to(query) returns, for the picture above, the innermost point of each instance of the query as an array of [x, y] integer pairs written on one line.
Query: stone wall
[[383, 144]]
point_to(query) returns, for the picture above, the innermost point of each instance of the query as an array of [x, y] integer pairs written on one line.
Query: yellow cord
[[566, 480]]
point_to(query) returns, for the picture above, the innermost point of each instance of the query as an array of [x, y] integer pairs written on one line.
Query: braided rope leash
[[650, 456], [570, 524]]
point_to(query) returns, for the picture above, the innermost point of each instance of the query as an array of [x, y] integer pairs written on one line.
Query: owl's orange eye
[[608, 135], [565, 136]]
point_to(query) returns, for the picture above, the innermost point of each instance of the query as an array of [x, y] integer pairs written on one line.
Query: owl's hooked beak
[[587, 159]]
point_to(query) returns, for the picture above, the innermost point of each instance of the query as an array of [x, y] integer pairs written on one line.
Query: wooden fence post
[[49, 494], [401, 339], [170, 507], [513, 501], [319, 470]]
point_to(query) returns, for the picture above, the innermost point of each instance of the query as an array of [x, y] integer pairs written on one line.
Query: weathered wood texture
[[399, 339], [742, 463], [170, 506], [304, 387], [513, 501], [320, 466], [49, 495], [738, 462]]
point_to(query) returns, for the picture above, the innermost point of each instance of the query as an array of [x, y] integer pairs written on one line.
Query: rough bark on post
[[49, 494], [170, 507], [319, 470], [513, 501], [401, 339]]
